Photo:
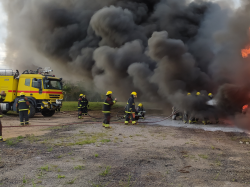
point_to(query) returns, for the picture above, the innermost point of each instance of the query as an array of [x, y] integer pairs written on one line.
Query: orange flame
[[244, 107], [245, 52]]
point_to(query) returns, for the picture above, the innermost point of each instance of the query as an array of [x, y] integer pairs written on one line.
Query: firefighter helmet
[[210, 95], [140, 105], [22, 94], [81, 95], [109, 92], [188, 93], [134, 93], [198, 93]]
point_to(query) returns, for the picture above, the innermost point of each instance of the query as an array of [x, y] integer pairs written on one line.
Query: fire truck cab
[[43, 91]]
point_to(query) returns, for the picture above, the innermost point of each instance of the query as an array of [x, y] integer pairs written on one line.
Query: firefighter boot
[[27, 123], [103, 124], [204, 122], [190, 122], [126, 123], [134, 123], [22, 123], [107, 126], [1, 139], [185, 122]]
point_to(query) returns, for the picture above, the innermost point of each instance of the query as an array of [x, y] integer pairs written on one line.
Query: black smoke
[[160, 48]]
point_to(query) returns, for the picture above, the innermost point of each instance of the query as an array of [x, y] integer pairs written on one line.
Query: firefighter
[[206, 119], [192, 118], [85, 105], [130, 109], [23, 107], [106, 109], [2, 98], [140, 110], [175, 113], [185, 113], [80, 106]]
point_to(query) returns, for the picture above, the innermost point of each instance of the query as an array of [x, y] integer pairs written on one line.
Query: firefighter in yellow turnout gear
[[23, 106], [130, 109], [82, 106], [106, 109], [2, 98]]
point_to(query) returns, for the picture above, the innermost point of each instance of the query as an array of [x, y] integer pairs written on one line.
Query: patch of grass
[[106, 171], [60, 156], [186, 156], [50, 149], [218, 163], [32, 138], [203, 156], [60, 176], [20, 137], [212, 147], [79, 167], [11, 142], [45, 168], [105, 140], [40, 175], [71, 181], [96, 155], [24, 180], [217, 175]]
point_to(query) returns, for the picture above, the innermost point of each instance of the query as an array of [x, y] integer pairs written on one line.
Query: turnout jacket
[[23, 103], [2, 98], [82, 102], [107, 105], [139, 109], [130, 108]]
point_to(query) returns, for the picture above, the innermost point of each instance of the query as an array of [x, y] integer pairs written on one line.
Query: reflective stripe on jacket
[[130, 108], [107, 105], [22, 105]]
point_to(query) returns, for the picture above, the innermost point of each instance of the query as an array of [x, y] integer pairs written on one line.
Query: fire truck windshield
[[52, 84]]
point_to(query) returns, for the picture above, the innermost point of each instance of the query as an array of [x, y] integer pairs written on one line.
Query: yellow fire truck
[[43, 91]]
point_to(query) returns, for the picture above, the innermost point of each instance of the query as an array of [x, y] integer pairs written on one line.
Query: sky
[[4, 33]]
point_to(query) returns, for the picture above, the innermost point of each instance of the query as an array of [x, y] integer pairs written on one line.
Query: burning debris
[[161, 49]]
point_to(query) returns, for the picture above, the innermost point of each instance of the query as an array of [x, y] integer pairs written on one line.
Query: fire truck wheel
[[32, 111], [48, 113]]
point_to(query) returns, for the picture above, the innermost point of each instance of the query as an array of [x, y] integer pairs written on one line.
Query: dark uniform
[[130, 110], [106, 110], [82, 107], [2, 98], [23, 106], [140, 110]]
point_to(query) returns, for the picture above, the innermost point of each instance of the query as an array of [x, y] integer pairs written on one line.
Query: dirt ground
[[145, 155]]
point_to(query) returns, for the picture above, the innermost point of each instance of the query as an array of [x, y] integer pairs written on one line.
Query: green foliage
[[106, 171], [105, 140], [60, 176], [50, 149], [45, 168], [24, 180], [96, 155], [71, 181], [11, 142]]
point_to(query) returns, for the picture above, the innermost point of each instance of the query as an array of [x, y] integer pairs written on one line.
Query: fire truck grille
[[54, 96]]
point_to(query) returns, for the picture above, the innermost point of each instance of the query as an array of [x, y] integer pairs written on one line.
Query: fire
[[244, 107], [245, 52]]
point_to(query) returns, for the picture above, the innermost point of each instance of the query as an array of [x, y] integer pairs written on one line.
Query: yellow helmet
[[134, 93], [188, 93], [198, 93], [140, 105], [22, 93], [210, 95], [109, 92], [81, 95]]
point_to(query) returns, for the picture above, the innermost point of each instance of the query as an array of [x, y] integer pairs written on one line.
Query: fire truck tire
[[32, 111], [48, 113]]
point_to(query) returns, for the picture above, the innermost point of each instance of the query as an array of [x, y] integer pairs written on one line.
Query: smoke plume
[[160, 48]]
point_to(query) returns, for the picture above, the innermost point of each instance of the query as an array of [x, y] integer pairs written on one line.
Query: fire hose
[[78, 123]]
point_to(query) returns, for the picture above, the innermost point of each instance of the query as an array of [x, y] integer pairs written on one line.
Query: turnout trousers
[[24, 115], [130, 115]]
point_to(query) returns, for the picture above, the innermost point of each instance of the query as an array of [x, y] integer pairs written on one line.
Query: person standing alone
[[106, 109], [23, 106]]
